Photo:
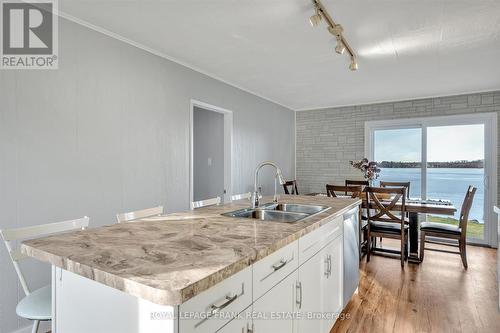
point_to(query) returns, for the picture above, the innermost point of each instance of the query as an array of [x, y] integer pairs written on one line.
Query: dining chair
[[139, 214], [293, 185], [241, 196], [37, 304], [406, 185], [205, 203], [383, 221], [397, 184], [449, 231], [352, 191], [362, 183]]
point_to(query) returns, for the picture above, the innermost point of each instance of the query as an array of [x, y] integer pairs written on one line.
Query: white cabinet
[[320, 289], [273, 310], [331, 284], [309, 296]]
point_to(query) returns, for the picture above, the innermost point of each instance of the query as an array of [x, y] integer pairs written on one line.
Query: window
[[441, 157]]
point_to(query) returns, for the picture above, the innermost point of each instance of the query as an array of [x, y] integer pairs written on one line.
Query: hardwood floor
[[435, 296]]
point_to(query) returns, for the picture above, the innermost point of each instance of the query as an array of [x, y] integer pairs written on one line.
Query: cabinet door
[[272, 312], [309, 294], [331, 285]]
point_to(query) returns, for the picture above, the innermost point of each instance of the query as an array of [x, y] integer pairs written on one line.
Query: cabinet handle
[[214, 308], [329, 265], [276, 267], [217, 308], [298, 286], [279, 265]]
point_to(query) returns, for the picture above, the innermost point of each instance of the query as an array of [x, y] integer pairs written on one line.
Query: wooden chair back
[[205, 203], [139, 214], [293, 185], [10, 235], [362, 183], [392, 211], [353, 191], [241, 196], [397, 184], [466, 206]]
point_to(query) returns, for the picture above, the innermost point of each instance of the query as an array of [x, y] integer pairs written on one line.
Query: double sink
[[278, 212]]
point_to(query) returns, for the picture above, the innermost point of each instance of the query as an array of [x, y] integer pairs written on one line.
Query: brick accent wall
[[328, 139]]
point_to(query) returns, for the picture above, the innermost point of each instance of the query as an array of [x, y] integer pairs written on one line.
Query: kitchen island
[[199, 271]]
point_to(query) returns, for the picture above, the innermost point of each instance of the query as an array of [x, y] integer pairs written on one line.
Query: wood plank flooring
[[435, 296]]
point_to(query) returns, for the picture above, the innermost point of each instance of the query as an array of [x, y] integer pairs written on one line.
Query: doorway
[[210, 152]]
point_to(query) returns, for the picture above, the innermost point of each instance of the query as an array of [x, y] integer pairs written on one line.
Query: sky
[[444, 143]]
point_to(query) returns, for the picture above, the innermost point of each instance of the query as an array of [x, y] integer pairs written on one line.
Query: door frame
[[489, 120], [228, 146]]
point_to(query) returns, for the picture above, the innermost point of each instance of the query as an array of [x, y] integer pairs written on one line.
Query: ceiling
[[406, 48]]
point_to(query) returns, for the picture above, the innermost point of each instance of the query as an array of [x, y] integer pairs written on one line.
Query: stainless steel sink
[[295, 208], [278, 212]]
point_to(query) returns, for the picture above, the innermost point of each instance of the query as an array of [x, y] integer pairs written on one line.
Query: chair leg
[[463, 252], [422, 245], [368, 247], [36, 323], [403, 250], [406, 246]]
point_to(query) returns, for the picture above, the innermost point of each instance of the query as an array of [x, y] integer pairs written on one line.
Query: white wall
[[108, 132]]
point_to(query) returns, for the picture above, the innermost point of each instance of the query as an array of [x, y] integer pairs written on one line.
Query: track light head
[[340, 48], [315, 19], [354, 64]]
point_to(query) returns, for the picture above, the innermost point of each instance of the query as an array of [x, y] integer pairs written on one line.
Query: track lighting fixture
[[335, 29], [354, 64], [340, 48], [315, 19]]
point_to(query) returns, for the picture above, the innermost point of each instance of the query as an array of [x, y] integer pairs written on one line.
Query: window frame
[[489, 120]]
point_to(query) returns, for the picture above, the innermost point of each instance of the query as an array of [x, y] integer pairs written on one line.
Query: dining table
[[414, 207]]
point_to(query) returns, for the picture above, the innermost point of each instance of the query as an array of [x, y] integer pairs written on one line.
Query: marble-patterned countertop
[[170, 259]]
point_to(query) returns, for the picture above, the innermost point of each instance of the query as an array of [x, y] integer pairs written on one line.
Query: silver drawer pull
[[298, 290], [280, 265], [216, 308], [276, 267]]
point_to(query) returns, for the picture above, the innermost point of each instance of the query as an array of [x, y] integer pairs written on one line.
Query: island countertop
[[172, 258]]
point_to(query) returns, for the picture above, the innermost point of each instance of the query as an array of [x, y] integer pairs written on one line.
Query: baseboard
[[45, 326]]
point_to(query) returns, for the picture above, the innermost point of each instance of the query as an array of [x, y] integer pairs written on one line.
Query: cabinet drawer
[[274, 268], [212, 309], [314, 241]]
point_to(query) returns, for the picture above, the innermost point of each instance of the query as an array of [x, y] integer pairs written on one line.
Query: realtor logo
[[29, 34]]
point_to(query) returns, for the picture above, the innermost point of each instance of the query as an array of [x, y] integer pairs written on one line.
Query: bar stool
[[241, 196], [139, 214], [205, 203], [37, 304]]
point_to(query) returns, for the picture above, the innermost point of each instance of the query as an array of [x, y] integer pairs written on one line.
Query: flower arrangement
[[369, 169]]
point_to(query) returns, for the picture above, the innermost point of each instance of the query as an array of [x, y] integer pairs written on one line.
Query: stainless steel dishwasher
[[351, 254]]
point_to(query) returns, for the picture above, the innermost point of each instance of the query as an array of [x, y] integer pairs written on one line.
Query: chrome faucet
[[279, 176]]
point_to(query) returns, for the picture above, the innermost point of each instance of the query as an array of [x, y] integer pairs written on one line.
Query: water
[[444, 183]]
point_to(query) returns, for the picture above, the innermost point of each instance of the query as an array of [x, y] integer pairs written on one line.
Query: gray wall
[[208, 143], [328, 139], [108, 132]]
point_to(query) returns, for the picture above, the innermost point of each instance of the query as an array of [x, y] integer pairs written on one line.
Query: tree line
[[449, 164]]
